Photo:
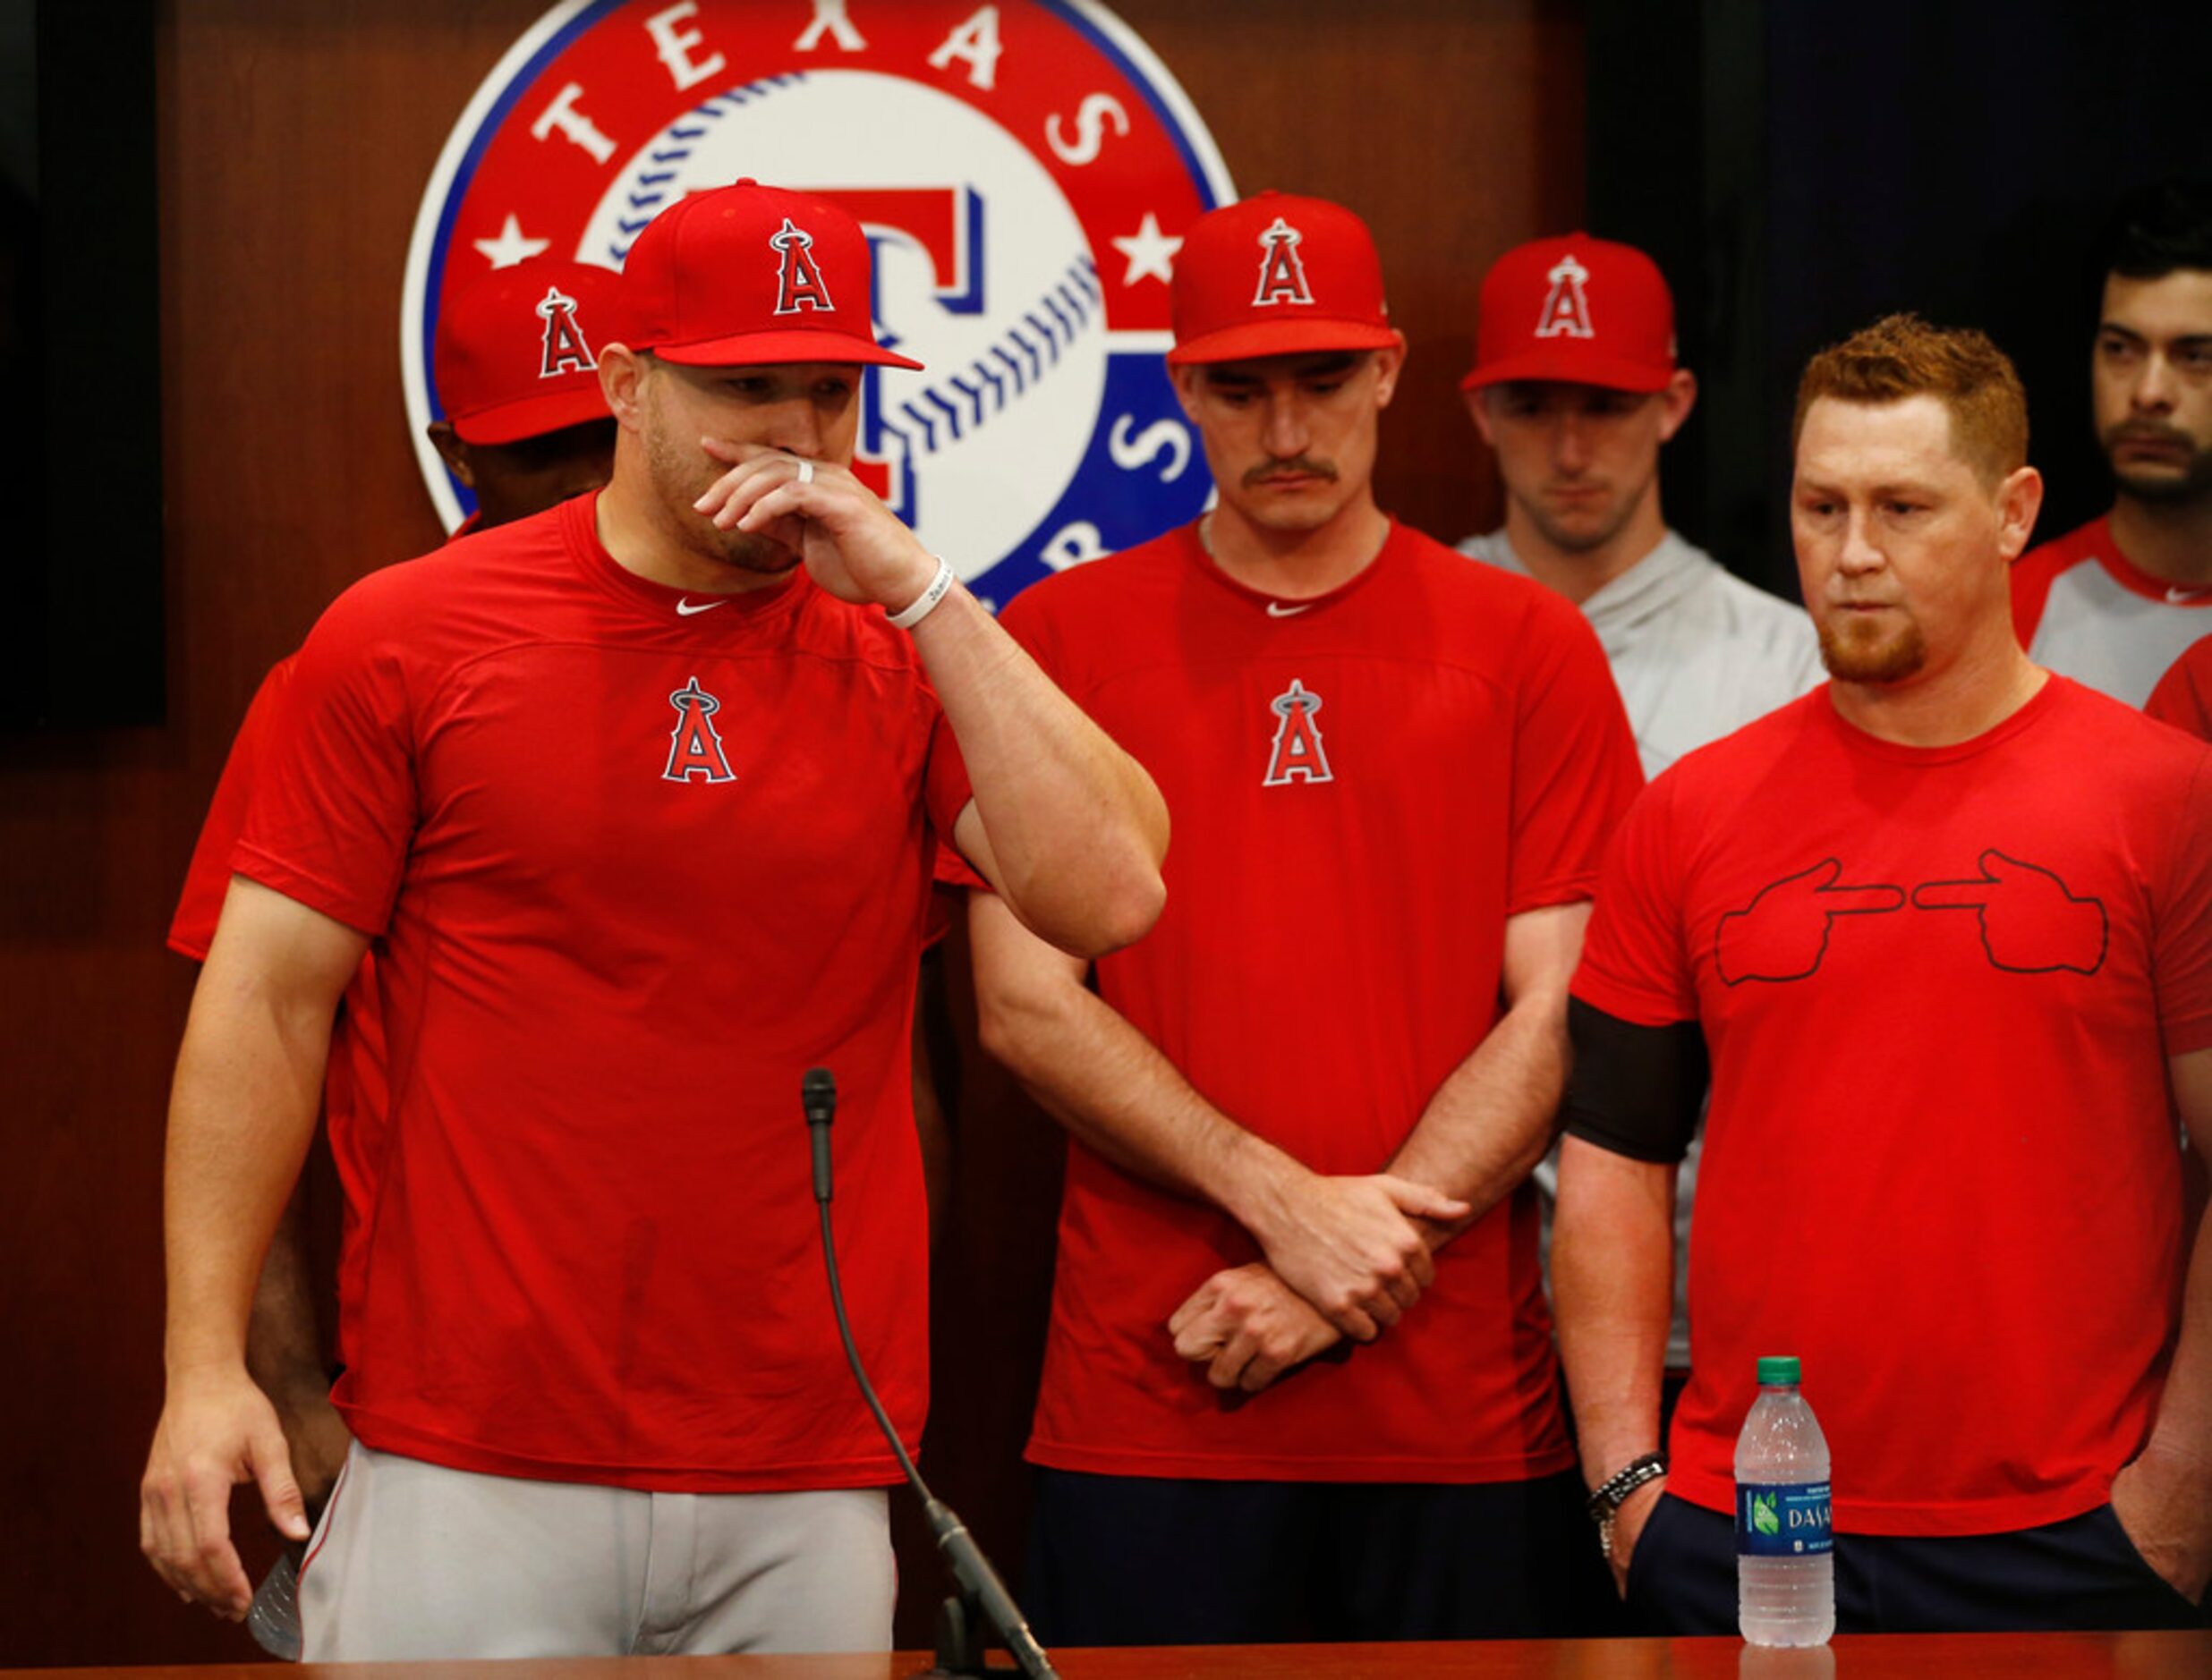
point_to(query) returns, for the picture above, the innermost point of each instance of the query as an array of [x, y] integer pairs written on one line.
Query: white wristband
[[939, 587]]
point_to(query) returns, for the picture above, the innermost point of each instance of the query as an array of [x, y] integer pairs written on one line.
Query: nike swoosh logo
[[2185, 597], [687, 607], [1276, 609]]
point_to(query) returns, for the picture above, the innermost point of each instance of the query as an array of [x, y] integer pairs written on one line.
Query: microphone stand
[[981, 1596]]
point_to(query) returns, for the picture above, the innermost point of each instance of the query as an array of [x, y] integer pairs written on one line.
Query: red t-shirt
[[2083, 611], [2183, 697], [632, 863], [1940, 986], [353, 1093], [1364, 788]]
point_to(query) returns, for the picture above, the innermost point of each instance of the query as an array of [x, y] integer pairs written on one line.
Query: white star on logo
[[1150, 252], [511, 247]]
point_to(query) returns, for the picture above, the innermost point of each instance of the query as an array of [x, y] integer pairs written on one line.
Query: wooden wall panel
[[296, 140]]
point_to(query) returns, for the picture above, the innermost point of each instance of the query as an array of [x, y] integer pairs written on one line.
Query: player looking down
[[1302, 1111], [637, 802], [1945, 927]]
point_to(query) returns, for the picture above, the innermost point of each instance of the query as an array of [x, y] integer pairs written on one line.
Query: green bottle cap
[[1776, 1370]]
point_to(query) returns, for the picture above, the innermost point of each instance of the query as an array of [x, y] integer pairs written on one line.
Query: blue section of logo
[[1784, 1520], [1142, 473]]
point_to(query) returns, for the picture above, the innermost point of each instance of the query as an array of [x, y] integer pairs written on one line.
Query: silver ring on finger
[[806, 470]]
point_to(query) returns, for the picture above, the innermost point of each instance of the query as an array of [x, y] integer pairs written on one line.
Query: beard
[[1857, 650], [2192, 483], [680, 476], [1589, 528]]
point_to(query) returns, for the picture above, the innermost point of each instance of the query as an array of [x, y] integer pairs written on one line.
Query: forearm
[[1613, 1289], [1076, 827], [249, 1082], [1113, 1089], [2181, 1433], [1491, 1121]]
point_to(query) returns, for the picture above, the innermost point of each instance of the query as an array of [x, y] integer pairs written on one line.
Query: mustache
[[2144, 431], [1303, 464]]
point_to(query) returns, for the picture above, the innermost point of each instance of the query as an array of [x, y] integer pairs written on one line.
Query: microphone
[[818, 1095], [959, 1648]]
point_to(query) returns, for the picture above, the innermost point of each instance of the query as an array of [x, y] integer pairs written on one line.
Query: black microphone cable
[[978, 1581]]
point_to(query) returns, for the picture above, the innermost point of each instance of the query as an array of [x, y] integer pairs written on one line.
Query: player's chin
[[750, 552]]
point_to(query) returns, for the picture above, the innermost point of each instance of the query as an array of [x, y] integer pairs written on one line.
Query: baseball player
[[1302, 1110], [1944, 928], [636, 802], [525, 426], [1575, 389], [2115, 603]]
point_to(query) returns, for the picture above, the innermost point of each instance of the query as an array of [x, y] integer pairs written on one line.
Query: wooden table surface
[[2139, 1656]]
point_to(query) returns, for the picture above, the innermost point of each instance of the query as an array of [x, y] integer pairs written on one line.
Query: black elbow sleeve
[[1635, 1091]]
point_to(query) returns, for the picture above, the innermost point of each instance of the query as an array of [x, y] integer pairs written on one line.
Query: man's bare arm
[[249, 1083], [1492, 1119], [1613, 1294], [1482, 1132], [2163, 1499], [1349, 1242]]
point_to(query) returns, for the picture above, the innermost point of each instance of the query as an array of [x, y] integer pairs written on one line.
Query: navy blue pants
[[2082, 1572], [1142, 1560]]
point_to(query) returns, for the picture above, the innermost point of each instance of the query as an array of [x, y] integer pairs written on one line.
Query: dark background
[[1796, 171], [1800, 170]]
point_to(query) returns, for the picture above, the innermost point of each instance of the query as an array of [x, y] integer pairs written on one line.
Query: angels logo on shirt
[[694, 744], [1024, 171], [1566, 312], [1297, 754], [565, 349]]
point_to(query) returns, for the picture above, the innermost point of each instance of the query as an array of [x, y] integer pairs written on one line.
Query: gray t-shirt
[[1696, 653]]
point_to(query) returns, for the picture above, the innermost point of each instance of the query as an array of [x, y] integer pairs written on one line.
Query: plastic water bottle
[[274, 1619], [1786, 1561]]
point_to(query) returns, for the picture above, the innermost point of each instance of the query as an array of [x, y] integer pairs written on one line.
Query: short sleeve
[[2183, 697], [2182, 943], [334, 810], [208, 877], [1575, 769], [1635, 959]]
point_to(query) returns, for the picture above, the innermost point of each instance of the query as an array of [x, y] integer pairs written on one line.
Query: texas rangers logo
[[1297, 754], [566, 351], [1024, 171], [798, 282], [694, 744], [1566, 309], [1282, 277]]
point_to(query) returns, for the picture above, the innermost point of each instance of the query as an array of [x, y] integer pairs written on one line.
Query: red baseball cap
[[1275, 275], [1581, 311], [748, 275], [516, 350]]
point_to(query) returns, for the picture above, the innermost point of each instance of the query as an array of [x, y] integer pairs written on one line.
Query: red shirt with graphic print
[[1365, 787], [633, 864], [1940, 986]]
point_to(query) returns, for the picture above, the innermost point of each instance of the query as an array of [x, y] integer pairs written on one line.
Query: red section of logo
[[581, 119]]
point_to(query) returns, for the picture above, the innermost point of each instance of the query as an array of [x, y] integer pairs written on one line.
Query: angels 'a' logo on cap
[[799, 284], [1566, 312], [567, 350], [1282, 277]]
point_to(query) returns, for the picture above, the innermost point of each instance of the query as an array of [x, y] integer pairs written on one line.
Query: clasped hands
[[1345, 1257]]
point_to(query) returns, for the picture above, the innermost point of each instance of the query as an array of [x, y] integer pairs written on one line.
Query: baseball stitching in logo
[[1023, 172]]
